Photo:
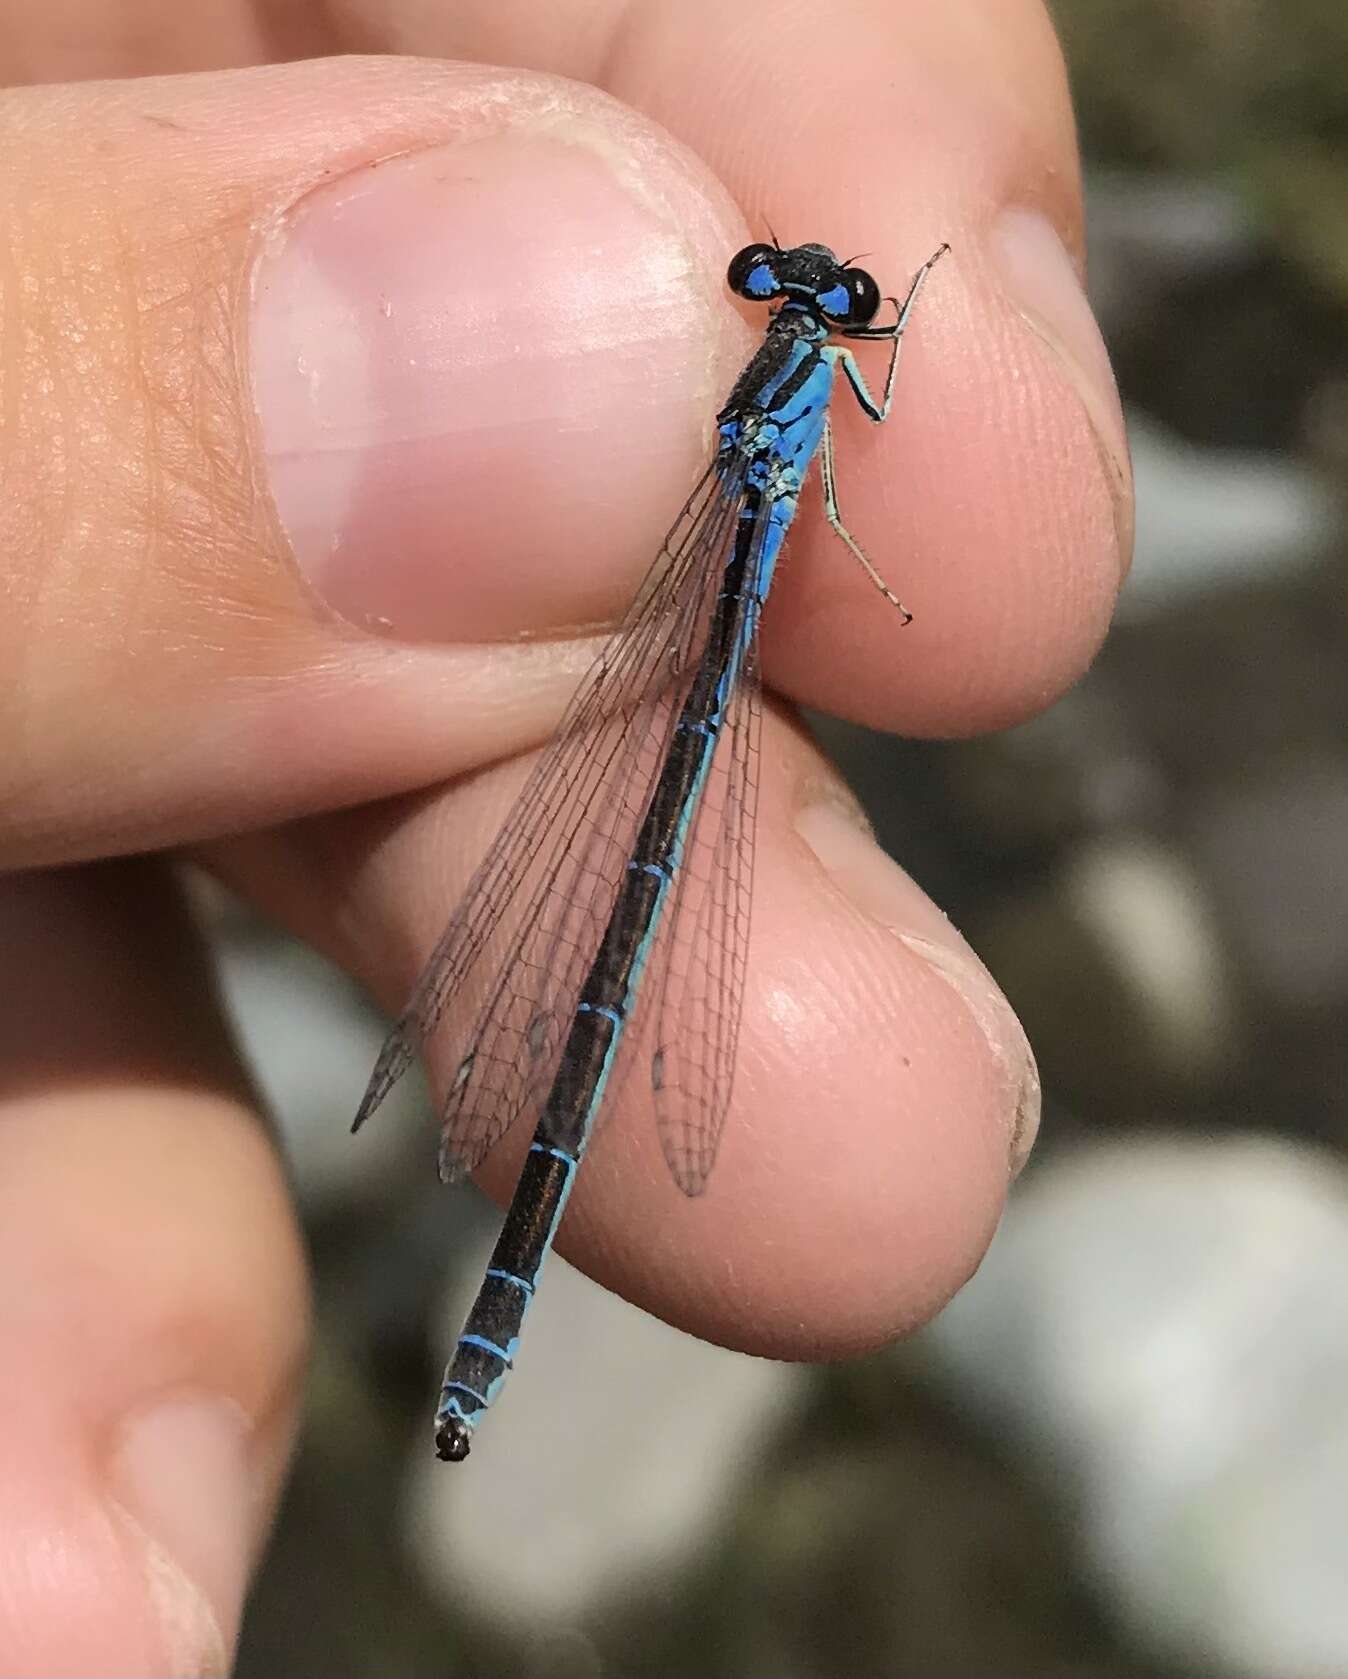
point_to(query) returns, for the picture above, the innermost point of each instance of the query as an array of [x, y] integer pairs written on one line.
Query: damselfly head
[[805, 277]]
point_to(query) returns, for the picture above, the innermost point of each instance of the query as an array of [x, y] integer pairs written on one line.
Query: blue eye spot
[[837, 300], [760, 282]]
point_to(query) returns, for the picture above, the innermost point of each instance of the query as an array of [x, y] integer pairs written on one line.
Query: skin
[[171, 683]]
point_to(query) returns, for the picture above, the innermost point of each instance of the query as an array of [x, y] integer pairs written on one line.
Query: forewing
[[685, 1029], [501, 984]]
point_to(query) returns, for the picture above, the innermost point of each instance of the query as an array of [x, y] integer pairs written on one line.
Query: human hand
[[259, 396]]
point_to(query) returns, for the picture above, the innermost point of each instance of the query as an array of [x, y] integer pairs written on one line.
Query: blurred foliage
[[1247, 91], [1206, 86]]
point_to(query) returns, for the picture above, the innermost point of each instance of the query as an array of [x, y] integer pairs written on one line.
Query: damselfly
[[607, 926]]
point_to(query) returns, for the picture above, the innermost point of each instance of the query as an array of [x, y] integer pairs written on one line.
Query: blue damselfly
[[607, 926]]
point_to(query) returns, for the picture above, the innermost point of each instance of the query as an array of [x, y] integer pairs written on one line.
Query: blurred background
[[1124, 1449]]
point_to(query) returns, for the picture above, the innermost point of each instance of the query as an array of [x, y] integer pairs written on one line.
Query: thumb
[[308, 375]]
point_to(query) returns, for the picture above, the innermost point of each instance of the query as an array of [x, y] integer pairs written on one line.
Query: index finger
[[998, 499]]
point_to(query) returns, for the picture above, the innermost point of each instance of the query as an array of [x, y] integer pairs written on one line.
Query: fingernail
[[838, 834], [462, 357], [182, 1484], [1042, 281]]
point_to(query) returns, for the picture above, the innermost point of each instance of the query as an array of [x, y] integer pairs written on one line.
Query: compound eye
[[854, 300], [753, 273]]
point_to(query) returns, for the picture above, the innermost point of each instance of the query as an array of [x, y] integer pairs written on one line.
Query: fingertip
[[995, 502], [154, 1311], [889, 1078], [146, 1440]]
